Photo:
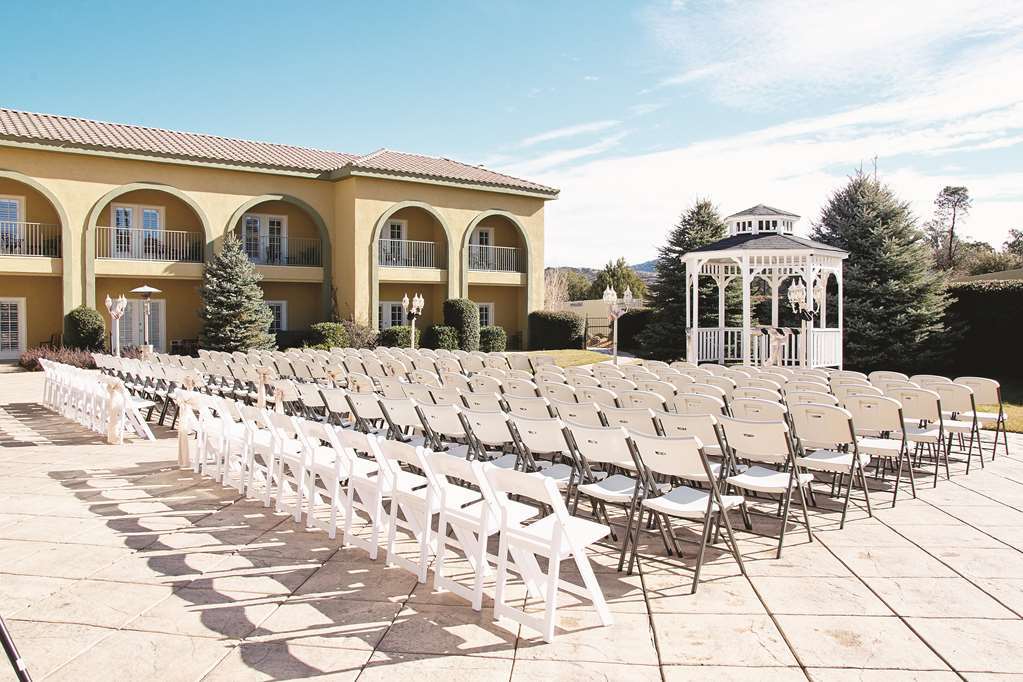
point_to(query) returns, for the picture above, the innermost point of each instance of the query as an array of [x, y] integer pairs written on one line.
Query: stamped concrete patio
[[116, 565]]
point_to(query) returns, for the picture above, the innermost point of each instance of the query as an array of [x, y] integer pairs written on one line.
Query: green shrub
[[984, 327], [440, 337], [464, 316], [330, 334], [550, 330], [84, 328], [397, 337], [630, 326], [493, 339]]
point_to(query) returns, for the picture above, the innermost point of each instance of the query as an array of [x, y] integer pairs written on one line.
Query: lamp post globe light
[[147, 294], [805, 304], [616, 307], [116, 309], [413, 309]]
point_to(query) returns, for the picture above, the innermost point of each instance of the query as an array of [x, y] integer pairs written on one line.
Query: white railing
[[494, 258], [826, 348], [275, 250], [405, 253], [122, 243], [29, 239]]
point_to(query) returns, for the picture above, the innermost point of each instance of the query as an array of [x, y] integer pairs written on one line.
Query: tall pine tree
[[665, 335], [894, 297], [233, 312]]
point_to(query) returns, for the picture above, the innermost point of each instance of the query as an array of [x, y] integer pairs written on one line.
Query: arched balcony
[[30, 224], [280, 232], [150, 224]]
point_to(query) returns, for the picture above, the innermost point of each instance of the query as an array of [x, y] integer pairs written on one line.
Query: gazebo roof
[[761, 209], [766, 242]]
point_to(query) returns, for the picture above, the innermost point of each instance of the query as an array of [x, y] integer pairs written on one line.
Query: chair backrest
[[538, 361], [582, 380], [484, 402], [617, 385], [758, 382], [519, 361], [705, 389], [822, 426], [606, 371], [810, 397], [985, 391], [519, 388], [644, 399], [448, 395], [929, 379], [598, 395], [424, 377], [395, 367], [496, 361], [535, 408], [442, 420], [555, 391], [697, 403], [540, 436], [601, 444], [455, 380], [918, 403], [661, 388], [872, 413], [481, 383], [493, 372], [763, 441], [633, 419], [798, 385], [542, 489], [725, 383], [681, 457], [698, 373], [418, 392], [776, 377], [843, 391], [400, 414], [391, 387], [755, 393], [679, 380], [360, 383], [703, 426], [886, 375], [364, 406], [448, 365], [587, 414], [955, 398], [752, 409], [490, 428]]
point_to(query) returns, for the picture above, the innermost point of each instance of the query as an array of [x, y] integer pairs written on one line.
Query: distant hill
[[646, 271], [646, 266]]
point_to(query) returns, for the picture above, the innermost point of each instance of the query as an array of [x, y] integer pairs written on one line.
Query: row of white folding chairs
[[93, 400], [308, 465]]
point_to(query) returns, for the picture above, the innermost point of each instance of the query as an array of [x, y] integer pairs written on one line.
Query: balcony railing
[[402, 253], [123, 243], [273, 250], [29, 239], [495, 258]]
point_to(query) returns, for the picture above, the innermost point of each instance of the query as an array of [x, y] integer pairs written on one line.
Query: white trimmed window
[[486, 314], [391, 314], [280, 312], [265, 238], [11, 212], [12, 327]]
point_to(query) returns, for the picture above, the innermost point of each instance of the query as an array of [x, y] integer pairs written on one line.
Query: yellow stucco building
[[89, 209]]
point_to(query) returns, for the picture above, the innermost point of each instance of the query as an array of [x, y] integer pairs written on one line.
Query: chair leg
[[703, 548], [845, 505], [731, 540], [866, 491]]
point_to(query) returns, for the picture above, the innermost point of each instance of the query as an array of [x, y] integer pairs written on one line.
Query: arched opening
[[495, 253], [411, 252], [33, 228], [152, 224]]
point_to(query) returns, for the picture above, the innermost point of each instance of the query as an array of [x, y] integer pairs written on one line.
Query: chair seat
[[763, 480], [686, 502], [880, 447], [981, 416], [831, 461], [583, 531], [561, 473], [507, 461], [615, 488], [922, 434], [459, 450], [958, 425]]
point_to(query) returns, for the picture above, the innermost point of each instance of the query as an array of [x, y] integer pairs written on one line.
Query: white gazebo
[[761, 243]]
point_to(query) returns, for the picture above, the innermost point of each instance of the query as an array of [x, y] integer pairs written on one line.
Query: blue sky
[[632, 109]]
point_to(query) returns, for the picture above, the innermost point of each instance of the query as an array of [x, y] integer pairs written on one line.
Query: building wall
[[84, 185], [303, 302], [433, 294], [181, 296], [42, 294], [37, 208], [509, 305]]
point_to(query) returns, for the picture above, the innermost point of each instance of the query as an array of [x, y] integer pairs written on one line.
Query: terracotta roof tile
[[81, 132]]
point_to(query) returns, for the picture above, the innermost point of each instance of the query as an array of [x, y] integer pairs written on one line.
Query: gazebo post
[[696, 312], [722, 283], [689, 314], [775, 287], [807, 353], [841, 324], [746, 338]]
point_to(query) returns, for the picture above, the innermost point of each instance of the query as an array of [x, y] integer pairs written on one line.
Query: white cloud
[[591, 78], [560, 157], [568, 131]]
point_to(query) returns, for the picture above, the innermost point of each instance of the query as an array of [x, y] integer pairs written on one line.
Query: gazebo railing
[[826, 348], [725, 346]]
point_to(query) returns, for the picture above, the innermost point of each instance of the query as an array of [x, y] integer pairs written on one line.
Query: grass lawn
[[1012, 396], [572, 357]]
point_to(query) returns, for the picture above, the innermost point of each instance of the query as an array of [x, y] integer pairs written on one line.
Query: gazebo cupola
[[761, 243]]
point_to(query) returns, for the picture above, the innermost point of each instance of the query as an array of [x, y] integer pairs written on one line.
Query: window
[[12, 327], [397, 229], [10, 227], [280, 313], [266, 238], [128, 240], [391, 314], [131, 329], [486, 314]]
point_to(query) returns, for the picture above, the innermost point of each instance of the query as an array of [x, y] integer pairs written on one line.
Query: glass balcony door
[[265, 238]]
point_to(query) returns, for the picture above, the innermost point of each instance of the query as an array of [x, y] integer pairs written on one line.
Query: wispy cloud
[[645, 108], [569, 131], [591, 78], [560, 157]]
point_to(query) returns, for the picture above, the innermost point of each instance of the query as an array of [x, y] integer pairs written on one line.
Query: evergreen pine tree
[[233, 312], [894, 297], [665, 335]]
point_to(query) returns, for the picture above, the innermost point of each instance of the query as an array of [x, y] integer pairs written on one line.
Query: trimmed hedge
[[84, 328], [493, 339], [464, 316], [550, 330], [630, 326], [397, 337], [329, 334], [985, 323], [440, 337]]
